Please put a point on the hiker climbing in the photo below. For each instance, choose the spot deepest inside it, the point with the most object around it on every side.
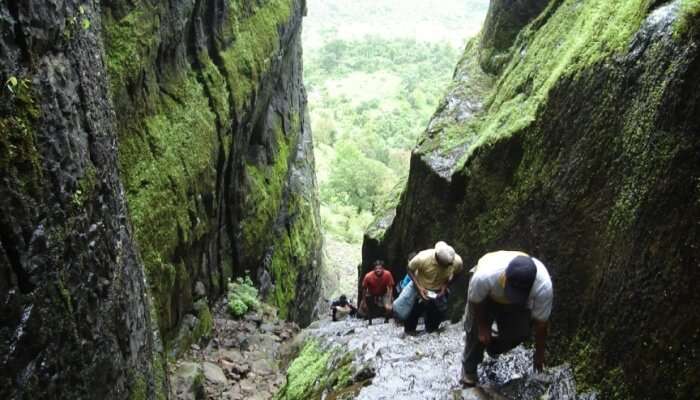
(377, 293)
(341, 308)
(514, 290)
(431, 272)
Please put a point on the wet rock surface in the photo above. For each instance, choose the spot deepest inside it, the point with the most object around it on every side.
(428, 366)
(242, 360)
(599, 181)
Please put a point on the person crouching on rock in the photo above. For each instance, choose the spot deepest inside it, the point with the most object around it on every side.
(432, 271)
(514, 290)
(342, 308)
(377, 289)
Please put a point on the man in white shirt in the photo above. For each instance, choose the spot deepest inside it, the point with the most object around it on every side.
(514, 290)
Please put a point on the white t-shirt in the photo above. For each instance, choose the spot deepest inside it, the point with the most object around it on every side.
(490, 277)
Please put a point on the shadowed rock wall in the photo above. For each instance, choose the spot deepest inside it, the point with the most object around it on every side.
(150, 151)
(584, 152)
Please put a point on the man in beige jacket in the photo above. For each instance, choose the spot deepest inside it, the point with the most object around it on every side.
(432, 271)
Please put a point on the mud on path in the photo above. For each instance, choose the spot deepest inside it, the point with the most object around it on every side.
(427, 366)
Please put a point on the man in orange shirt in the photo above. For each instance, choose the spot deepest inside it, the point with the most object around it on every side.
(377, 288)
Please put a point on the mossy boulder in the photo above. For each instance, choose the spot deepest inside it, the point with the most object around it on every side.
(320, 371)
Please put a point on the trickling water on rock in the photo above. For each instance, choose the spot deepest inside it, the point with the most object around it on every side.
(427, 366)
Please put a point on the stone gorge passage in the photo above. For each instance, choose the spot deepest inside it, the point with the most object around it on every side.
(151, 150)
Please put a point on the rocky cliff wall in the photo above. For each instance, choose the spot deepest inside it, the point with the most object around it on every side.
(215, 148)
(149, 151)
(583, 151)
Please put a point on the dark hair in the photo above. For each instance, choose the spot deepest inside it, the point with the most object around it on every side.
(343, 297)
(378, 262)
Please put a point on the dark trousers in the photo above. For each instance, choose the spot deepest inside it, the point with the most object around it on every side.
(431, 313)
(513, 324)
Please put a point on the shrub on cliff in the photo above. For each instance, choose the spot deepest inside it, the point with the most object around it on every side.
(242, 296)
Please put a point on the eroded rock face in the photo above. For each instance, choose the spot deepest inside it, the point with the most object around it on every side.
(586, 156)
(145, 145)
(74, 312)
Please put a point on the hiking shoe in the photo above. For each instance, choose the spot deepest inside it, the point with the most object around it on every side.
(469, 379)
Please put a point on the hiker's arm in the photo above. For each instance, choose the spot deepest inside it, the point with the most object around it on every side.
(541, 328)
(482, 323)
(458, 269)
(421, 289)
(443, 288)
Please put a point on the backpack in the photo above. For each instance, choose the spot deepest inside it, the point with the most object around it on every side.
(403, 305)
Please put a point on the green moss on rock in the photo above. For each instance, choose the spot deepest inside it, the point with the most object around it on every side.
(255, 42)
(205, 321)
(264, 195)
(139, 390)
(293, 251)
(129, 41)
(215, 87)
(318, 371)
(19, 157)
(306, 373)
(688, 17)
(174, 157)
(576, 35)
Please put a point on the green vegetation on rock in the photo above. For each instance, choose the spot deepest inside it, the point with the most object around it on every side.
(317, 371)
(129, 42)
(205, 321)
(255, 42)
(688, 17)
(242, 297)
(266, 185)
(170, 147)
(574, 36)
(160, 170)
(18, 153)
(293, 249)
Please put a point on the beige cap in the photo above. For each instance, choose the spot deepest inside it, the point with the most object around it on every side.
(444, 253)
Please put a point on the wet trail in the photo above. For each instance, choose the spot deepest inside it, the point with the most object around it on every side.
(427, 366)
